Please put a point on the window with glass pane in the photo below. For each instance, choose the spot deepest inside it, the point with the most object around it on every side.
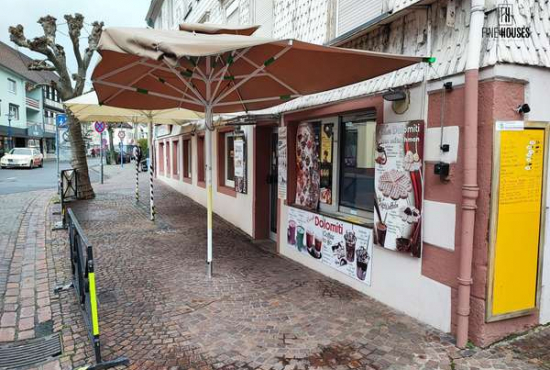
(187, 158)
(14, 112)
(357, 164)
(12, 86)
(229, 160)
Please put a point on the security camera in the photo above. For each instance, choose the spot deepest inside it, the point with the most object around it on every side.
(523, 108)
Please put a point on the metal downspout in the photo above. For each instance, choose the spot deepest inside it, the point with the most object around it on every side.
(470, 189)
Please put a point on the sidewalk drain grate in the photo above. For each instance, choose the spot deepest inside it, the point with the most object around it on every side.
(26, 353)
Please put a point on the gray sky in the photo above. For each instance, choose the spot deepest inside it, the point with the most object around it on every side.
(114, 13)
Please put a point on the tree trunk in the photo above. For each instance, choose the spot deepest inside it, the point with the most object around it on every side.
(112, 154)
(78, 161)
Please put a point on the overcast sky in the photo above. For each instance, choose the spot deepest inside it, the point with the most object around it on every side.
(121, 13)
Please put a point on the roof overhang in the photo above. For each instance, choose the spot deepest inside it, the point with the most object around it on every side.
(379, 21)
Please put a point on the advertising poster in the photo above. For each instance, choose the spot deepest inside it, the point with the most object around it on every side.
(239, 159)
(326, 163)
(398, 186)
(282, 165)
(307, 163)
(341, 245)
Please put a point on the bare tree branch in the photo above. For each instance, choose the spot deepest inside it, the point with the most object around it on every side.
(40, 65)
(93, 41)
(49, 26)
(42, 45)
(17, 35)
(75, 24)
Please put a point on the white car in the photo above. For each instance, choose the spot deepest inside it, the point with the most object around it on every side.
(22, 157)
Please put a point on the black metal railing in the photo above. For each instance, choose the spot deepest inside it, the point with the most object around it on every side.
(83, 271)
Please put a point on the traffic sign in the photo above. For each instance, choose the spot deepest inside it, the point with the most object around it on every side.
(61, 120)
(99, 127)
(121, 135)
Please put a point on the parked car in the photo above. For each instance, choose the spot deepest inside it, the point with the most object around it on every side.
(127, 157)
(22, 157)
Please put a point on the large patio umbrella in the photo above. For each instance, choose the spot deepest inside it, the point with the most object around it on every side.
(87, 109)
(204, 69)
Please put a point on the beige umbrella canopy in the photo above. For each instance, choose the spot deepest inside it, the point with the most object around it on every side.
(87, 109)
(217, 71)
(213, 29)
(159, 69)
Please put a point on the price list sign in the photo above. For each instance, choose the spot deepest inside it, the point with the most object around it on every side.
(516, 232)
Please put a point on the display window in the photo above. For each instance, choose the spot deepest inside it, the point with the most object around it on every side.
(335, 165)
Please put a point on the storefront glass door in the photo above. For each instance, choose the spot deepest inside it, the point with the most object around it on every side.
(273, 185)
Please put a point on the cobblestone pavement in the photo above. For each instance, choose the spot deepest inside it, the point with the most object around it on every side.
(28, 307)
(260, 311)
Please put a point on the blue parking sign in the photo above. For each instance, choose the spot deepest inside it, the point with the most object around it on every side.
(61, 120)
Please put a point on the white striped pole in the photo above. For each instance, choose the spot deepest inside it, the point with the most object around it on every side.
(151, 171)
(208, 141)
(209, 205)
(137, 180)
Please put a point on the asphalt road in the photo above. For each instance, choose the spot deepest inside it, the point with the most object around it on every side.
(22, 180)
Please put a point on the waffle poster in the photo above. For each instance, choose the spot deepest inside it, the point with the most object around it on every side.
(398, 186)
(341, 245)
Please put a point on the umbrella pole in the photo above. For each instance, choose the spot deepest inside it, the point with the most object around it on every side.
(208, 143)
(151, 171)
(137, 165)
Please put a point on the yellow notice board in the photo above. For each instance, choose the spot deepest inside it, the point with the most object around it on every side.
(516, 224)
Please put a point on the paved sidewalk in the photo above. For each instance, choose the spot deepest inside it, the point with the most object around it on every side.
(260, 311)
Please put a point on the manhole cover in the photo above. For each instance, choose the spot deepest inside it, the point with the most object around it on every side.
(27, 353)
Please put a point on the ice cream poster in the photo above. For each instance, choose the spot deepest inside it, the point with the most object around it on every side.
(282, 162)
(398, 186)
(341, 245)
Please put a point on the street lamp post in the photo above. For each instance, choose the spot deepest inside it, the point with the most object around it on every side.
(10, 116)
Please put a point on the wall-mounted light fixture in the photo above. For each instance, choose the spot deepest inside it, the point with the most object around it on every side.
(523, 108)
(395, 95)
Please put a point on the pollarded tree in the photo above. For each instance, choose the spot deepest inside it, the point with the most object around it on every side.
(68, 86)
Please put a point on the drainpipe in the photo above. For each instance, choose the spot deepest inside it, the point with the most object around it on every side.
(470, 189)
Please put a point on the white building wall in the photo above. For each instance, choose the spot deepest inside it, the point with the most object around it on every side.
(238, 209)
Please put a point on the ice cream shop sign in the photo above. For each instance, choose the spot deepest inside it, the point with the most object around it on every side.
(341, 245)
(398, 183)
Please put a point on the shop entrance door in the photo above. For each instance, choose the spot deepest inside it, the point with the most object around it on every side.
(273, 180)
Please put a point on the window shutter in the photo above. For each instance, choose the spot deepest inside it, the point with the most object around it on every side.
(353, 13)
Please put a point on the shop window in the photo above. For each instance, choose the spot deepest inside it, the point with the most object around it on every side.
(186, 160)
(226, 161)
(200, 159)
(14, 112)
(357, 164)
(229, 167)
(168, 168)
(161, 158)
(12, 86)
(175, 170)
(335, 164)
